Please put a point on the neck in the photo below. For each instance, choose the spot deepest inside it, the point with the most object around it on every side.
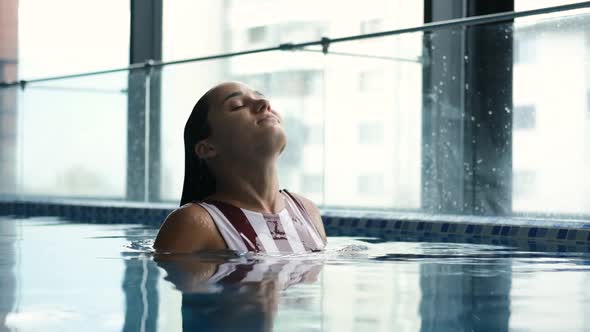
(251, 185)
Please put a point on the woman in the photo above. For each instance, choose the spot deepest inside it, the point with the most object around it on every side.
(231, 197)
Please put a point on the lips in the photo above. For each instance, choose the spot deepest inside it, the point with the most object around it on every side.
(266, 117)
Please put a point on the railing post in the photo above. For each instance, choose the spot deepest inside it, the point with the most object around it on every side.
(143, 104)
(467, 120)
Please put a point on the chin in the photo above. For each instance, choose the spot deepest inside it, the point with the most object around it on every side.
(274, 142)
(280, 140)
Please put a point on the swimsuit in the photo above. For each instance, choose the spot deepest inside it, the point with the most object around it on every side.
(290, 231)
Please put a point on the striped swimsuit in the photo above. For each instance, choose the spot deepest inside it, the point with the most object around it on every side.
(289, 231)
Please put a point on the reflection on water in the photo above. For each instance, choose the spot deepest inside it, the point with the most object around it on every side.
(8, 237)
(141, 292)
(454, 299)
(76, 277)
(236, 294)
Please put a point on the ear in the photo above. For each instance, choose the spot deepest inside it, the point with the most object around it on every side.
(205, 150)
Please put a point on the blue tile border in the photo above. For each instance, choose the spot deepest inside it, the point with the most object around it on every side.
(579, 235)
(337, 224)
(87, 213)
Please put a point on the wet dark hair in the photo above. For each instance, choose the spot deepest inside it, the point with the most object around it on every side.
(199, 181)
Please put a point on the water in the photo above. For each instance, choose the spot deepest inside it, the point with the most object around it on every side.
(63, 276)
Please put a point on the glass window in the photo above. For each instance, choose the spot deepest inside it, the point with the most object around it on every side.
(256, 34)
(68, 36)
(198, 28)
(312, 183)
(314, 134)
(370, 184)
(524, 117)
(371, 81)
(520, 5)
(523, 184)
(525, 50)
(74, 137)
(370, 133)
(556, 150)
(371, 26)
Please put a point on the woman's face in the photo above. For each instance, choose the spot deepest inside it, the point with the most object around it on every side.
(243, 122)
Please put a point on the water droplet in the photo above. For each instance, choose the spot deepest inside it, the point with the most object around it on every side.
(466, 86)
(472, 118)
(479, 161)
(494, 169)
(507, 109)
(490, 112)
(466, 58)
(444, 57)
(441, 83)
(453, 77)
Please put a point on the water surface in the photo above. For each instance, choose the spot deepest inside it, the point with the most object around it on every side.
(62, 276)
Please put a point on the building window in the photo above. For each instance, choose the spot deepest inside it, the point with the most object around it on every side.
(525, 50)
(291, 83)
(525, 117)
(370, 184)
(312, 183)
(257, 34)
(301, 31)
(313, 82)
(370, 133)
(261, 82)
(314, 134)
(523, 184)
(371, 26)
(371, 81)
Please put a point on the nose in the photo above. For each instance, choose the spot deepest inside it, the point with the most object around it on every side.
(262, 105)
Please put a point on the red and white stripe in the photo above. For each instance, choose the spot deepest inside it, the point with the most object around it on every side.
(290, 231)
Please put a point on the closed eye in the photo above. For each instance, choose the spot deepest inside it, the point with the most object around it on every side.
(237, 107)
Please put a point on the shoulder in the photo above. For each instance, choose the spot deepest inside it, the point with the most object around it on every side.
(314, 212)
(189, 228)
(307, 203)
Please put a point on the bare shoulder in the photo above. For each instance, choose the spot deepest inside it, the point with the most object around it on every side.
(314, 212)
(187, 229)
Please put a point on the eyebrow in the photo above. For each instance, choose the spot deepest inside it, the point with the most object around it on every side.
(238, 93)
(231, 95)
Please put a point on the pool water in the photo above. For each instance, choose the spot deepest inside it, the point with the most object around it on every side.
(57, 275)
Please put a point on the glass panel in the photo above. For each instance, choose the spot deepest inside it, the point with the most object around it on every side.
(373, 122)
(9, 137)
(8, 97)
(74, 140)
(228, 26)
(490, 152)
(68, 36)
(552, 115)
(520, 5)
(415, 121)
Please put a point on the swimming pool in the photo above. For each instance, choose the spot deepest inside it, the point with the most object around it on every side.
(58, 275)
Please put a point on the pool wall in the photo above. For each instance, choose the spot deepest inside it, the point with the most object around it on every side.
(339, 222)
